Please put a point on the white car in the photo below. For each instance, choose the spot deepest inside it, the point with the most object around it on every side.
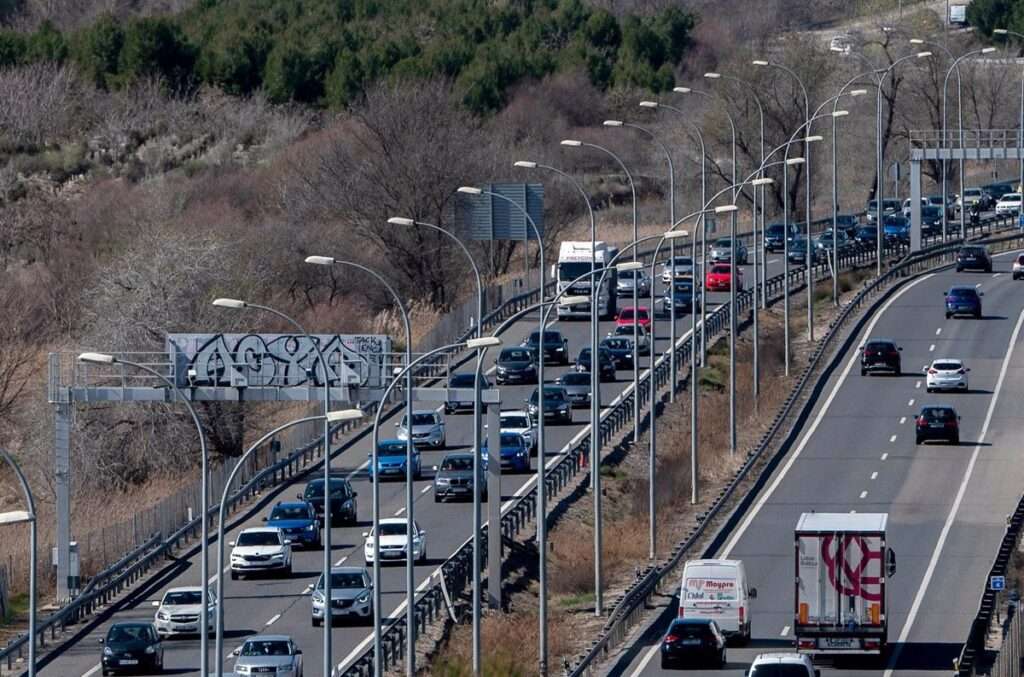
(260, 549)
(179, 611)
(1018, 267)
(682, 265)
(908, 202)
(427, 429)
(394, 541)
(946, 373)
(518, 421)
(1009, 204)
(626, 331)
(789, 664)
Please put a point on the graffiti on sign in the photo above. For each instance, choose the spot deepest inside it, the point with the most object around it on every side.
(282, 360)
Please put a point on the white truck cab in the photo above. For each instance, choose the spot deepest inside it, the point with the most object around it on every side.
(717, 589)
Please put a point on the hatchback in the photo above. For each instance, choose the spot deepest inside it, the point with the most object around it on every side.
(938, 423)
(963, 301)
(606, 364)
(719, 278)
(577, 387)
(133, 647)
(776, 234)
(556, 404)
(880, 355)
(630, 315)
(690, 642)
(463, 382)
(392, 456)
(344, 508)
(516, 365)
(621, 349)
(514, 454)
(946, 374)
(681, 299)
(721, 251)
(973, 258)
(298, 521)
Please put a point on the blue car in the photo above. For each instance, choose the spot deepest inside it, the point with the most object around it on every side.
(963, 301)
(897, 230)
(391, 457)
(515, 455)
(298, 521)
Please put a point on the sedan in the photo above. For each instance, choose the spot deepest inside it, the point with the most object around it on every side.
(621, 349)
(518, 421)
(268, 655)
(463, 382)
(880, 355)
(721, 251)
(692, 641)
(931, 221)
(344, 508)
(605, 363)
(681, 299)
(776, 235)
(644, 341)
(260, 550)
(938, 423)
(974, 257)
(630, 315)
(798, 251)
(427, 429)
(888, 207)
(964, 301)
(824, 242)
(680, 266)
(577, 387)
(392, 456)
(298, 521)
(633, 279)
(514, 456)
(867, 236)
(516, 365)
(350, 595)
(556, 404)
(394, 541)
(946, 374)
(719, 278)
(896, 230)
(848, 223)
(453, 479)
(132, 646)
(1009, 204)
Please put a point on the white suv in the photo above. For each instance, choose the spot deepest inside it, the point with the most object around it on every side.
(783, 665)
(179, 611)
(261, 549)
(394, 541)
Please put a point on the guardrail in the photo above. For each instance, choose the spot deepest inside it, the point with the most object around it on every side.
(635, 600)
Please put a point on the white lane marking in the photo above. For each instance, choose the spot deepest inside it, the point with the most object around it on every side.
(864, 494)
(341, 561)
(911, 402)
(917, 386)
(272, 620)
(874, 475)
(938, 331)
(955, 508)
(310, 586)
(785, 631)
(92, 671)
(853, 512)
(931, 349)
(997, 275)
(771, 261)
(399, 512)
(892, 439)
(427, 488)
(903, 419)
(885, 456)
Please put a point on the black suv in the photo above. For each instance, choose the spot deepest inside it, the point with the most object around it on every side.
(556, 404)
(516, 365)
(605, 362)
(343, 500)
(973, 258)
(938, 423)
(464, 382)
(880, 355)
(556, 347)
(775, 236)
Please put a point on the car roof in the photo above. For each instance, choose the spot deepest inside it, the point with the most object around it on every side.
(129, 624)
(692, 621)
(186, 588)
(262, 530)
(457, 455)
(512, 412)
(788, 657)
(876, 339)
(292, 504)
(417, 412)
(268, 638)
(942, 407)
(349, 570)
(394, 520)
(948, 359)
(963, 287)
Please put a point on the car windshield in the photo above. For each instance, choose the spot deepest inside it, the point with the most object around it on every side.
(393, 529)
(264, 647)
(315, 489)
(461, 381)
(391, 449)
(348, 579)
(879, 346)
(510, 440)
(930, 212)
(946, 366)
(962, 293)
(683, 288)
(721, 270)
(289, 512)
(576, 378)
(935, 199)
(550, 393)
(420, 419)
(776, 229)
(626, 314)
(679, 261)
(1011, 197)
(457, 463)
(846, 219)
(515, 421)
(584, 354)
(256, 538)
(779, 670)
(616, 343)
(130, 633)
(690, 630)
(515, 355)
(723, 243)
(632, 274)
(549, 337)
(183, 598)
(866, 232)
(938, 414)
(973, 192)
(972, 251)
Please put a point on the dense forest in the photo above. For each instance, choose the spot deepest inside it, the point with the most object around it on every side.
(327, 52)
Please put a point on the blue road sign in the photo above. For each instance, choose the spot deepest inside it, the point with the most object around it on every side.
(997, 583)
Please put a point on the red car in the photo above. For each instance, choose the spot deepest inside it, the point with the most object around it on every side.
(625, 318)
(719, 277)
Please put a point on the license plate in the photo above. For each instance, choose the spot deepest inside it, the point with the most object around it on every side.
(935, 425)
(460, 490)
(840, 643)
(391, 554)
(690, 642)
(129, 661)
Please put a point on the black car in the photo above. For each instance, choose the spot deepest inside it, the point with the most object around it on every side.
(344, 509)
(998, 190)
(516, 365)
(621, 349)
(577, 387)
(776, 234)
(973, 257)
(798, 251)
(464, 382)
(938, 423)
(133, 647)
(690, 642)
(866, 236)
(606, 363)
(679, 299)
(931, 221)
(556, 404)
(880, 355)
(556, 346)
(848, 223)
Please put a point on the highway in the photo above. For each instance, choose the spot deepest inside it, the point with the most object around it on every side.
(946, 504)
(282, 605)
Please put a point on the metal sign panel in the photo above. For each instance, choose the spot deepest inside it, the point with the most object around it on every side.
(283, 360)
(997, 583)
(492, 218)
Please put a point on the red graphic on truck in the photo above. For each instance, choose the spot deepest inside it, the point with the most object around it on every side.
(847, 567)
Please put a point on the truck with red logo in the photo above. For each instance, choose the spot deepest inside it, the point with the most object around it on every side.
(842, 563)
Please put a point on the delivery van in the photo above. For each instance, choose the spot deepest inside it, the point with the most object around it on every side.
(716, 589)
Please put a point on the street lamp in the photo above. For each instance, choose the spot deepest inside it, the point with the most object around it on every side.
(410, 447)
(331, 417)
(103, 358)
(20, 517)
(1020, 132)
(835, 183)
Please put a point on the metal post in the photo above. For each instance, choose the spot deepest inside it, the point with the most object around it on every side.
(494, 577)
(62, 482)
(30, 503)
(835, 215)
(694, 377)
(785, 265)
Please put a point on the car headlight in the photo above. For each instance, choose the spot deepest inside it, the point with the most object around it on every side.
(277, 555)
(107, 651)
(501, 370)
(151, 649)
(521, 453)
(364, 598)
(442, 481)
(163, 616)
(563, 408)
(318, 597)
(242, 669)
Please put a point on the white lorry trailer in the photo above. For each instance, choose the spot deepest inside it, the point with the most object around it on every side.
(842, 563)
(575, 259)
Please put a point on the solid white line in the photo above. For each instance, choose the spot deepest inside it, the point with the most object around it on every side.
(272, 621)
(938, 331)
(911, 402)
(892, 439)
(340, 562)
(955, 508)
(785, 631)
(931, 348)
(885, 456)
(756, 508)
(903, 419)
(399, 512)
(864, 494)
(431, 486)
(874, 475)
(92, 671)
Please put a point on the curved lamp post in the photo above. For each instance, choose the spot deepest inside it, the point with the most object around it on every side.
(1020, 128)
(103, 358)
(18, 517)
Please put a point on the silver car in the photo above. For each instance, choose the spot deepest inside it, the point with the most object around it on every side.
(351, 596)
(678, 267)
(643, 338)
(427, 429)
(453, 479)
(577, 387)
(634, 278)
(721, 251)
(268, 655)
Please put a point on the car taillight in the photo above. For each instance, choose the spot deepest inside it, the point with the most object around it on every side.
(893, 353)
(682, 612)
(669, 639)
(872, 644)
(932, 371)
(741, 615)
(805, 644)
(950, 424)
(921, 423)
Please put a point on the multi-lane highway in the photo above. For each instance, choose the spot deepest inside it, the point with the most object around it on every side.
(946, 504)
(282, 605)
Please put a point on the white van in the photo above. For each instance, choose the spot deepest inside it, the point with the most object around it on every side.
(717, 589)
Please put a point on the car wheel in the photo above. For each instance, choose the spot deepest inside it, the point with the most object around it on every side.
(948, 315)
(107, 672)
(956, 439)
(929, 390)
(898, 371)
(317, 622)
(977, 315)
(863, 371)
(423, 556)
(918, 440)
(288, 569)
(665, 664)
(437, 499)
(234, 575)
(721, 659)
(959, 269)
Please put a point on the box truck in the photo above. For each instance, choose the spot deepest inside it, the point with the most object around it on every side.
(575, 260)
(842, 563)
